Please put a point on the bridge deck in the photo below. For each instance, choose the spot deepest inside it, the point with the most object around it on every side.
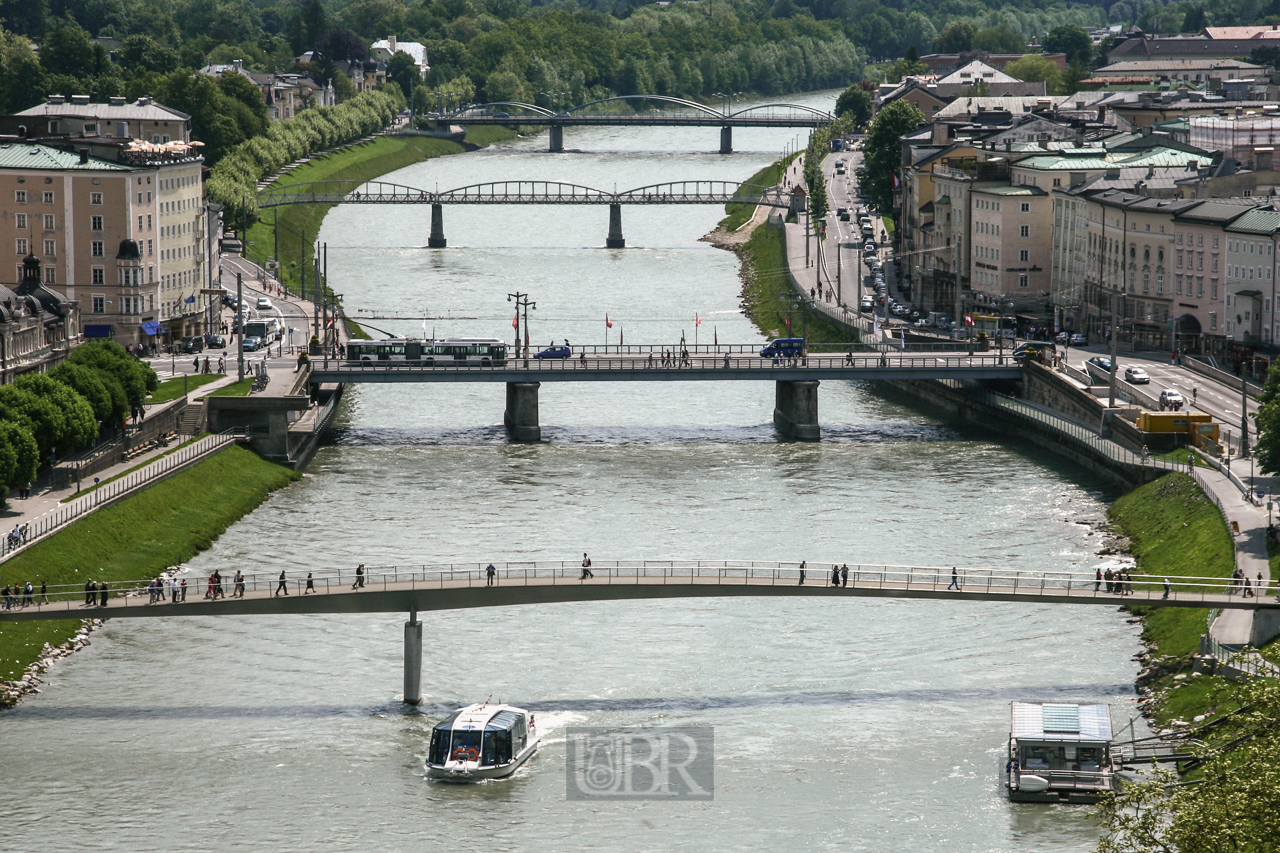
(404, 589)
(639, 368)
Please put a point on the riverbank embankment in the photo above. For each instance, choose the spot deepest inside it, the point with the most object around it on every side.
(139, 537)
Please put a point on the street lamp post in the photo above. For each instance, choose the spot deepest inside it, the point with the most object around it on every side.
(522, 302)
(1116, 300)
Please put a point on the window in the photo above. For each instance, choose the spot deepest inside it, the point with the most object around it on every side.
(1024, 255)
(95, 249)
(99, 304)
(1025, 207)
(1146, 281)
(1057, 182)
(1199, 239)
(22, 246)
(48, 198)
(139, 223)
(151, 247)
(148, 221)
(49, 222)
(1022, 280)
(1024, 230)
(1159, 282)
(20, 221)
(95, 223)
(1213, 320)
(50, 276)
(1215, 242)
(1179, 259)
(98, 277)
(95, 198)
(49, 246)
(20, 196)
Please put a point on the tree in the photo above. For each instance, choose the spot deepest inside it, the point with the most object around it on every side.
(1034, 68)
(340, 45)
(67, 50)
(854, 102)
(134, 376)
(403, 71)
(1195, 20)
(1267, 449)
(956, 37)
(80, 426)
(88, 383)
(1233, 805)
(1071, 40)
(22, 78)
(882, 152)
(240, 88)
(19, 455)
(999, 39)
(139, 51)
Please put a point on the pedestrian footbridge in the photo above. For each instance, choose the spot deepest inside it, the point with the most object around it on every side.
(415, 589)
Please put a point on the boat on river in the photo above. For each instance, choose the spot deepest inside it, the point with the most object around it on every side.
(1059, 753)
(483, 741)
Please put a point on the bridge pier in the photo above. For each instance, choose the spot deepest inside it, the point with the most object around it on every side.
(436, 240)
(615, 240)
(557, 138)
(726, 140)
(795, 412)
(413, 660)
(521, 416)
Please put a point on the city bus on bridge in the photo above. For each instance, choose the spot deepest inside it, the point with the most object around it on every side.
(483, 352)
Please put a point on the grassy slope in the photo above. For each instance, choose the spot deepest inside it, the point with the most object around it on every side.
(172, 389)
(235, 389)
(766, 177)
(1176, 531)
(764, 274)
(137, 538)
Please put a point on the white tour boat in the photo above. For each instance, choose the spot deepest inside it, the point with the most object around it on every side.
(481, 741)
(1059, 753)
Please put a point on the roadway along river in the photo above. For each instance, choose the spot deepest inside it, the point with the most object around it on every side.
(850, 725)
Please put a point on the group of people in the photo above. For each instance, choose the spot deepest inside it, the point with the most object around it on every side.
(669, 359)
(95, 594)
(1118, 582)
(18, 535)
(1248, 589)
(23, 595)
(207, 367)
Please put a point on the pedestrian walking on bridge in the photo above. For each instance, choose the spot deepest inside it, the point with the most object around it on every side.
(1167, 588)
(283, 586)
(1097, 579)
(835, 576)
(586, 568)
(955, 580)
(490, 575)
(359, 584)
(102, 591)
(311, 585)
(844, 575)
(802, 565)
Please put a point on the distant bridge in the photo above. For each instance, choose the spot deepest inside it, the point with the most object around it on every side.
(454, 587)
(796, 393)
(524, 192)
(674, 112)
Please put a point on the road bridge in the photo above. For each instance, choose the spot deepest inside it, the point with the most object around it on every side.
(424, 588)
(668, 112)
(524, 192)
(796, 379)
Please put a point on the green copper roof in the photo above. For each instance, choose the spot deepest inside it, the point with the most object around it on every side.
(1263, 221)
(34, 156)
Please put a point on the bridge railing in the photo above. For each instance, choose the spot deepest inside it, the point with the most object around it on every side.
(675, 359)
(1024, 584)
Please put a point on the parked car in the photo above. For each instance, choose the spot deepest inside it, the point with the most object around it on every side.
(251, 343)
(216, 342)
(1136, 375)
(867, 303)
(1101, 362)
(555, 351)
(1063, 338)
(1171, 399)
(1079, 340)
(195, 344)
(264, 304)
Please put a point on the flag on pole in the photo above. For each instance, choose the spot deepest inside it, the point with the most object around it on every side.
(968, 319)
(608, 324)
(515, 321)
(619, 339)
(697, 321)
(904, 339)
(875, 330)
(716, 333)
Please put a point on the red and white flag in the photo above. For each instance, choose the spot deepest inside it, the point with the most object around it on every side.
(608, 324)
(697, 321)
(329, 325)
(968, 319)
(515, 322)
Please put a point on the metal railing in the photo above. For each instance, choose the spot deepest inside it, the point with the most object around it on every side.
(676, 361)
(1247, 661)
(967, 582)
(109, 492)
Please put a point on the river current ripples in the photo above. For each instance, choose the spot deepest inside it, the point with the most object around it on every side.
(840, 724)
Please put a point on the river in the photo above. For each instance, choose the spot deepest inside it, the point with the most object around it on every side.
(851, 724)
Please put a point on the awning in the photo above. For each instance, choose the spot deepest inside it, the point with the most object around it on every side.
(151, 327)
(100, 331)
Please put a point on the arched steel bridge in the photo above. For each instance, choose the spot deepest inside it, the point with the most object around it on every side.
(674, 112)
(524, 192)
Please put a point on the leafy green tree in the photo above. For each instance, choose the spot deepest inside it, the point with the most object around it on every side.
(26, 17)
(402, 71)
(854, 102)
(140, 51)
(956, 37)
(246, 92)
(1266, 450)
(45, 420)
(134, 376)
(1269, 56)
(882, 152)
(343, 89)
(19, 454)
(999, 39)
(80, 426)
(87, 382)
(306, 22)
(1195, 20)
(67, 50)
(1034, 68)
(1071, 40)
(22, 78)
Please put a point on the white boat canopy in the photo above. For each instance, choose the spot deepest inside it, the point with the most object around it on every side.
(1062, 722)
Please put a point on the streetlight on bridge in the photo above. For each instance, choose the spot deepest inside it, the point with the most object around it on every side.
(522, 301)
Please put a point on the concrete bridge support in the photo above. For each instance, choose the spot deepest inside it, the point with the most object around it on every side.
(726, 140)
(521, 416)
(615, 240)
(795, 411)
(436, 240)
(413, 660)
(557, 138)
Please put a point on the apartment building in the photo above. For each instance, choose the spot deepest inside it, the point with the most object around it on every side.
(1250, 266)
(116, 119)
(124, 239)
(1012, 242)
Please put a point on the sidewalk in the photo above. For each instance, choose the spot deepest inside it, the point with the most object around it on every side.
(1234, 628)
